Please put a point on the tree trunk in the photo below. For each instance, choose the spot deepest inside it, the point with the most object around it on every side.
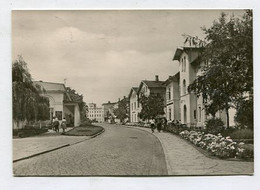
(227, 114)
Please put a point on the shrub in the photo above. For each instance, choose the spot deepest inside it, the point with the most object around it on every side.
(228, 131)
(245, 113)
(214, 126)
(245, 151)
(27, 132)
(217, 145)
(242, 134)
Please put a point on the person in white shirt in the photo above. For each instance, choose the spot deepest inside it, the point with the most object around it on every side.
(63, 124)
(152, 125)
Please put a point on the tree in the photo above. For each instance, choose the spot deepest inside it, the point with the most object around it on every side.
(227, 54)
(152, 106)
(122, 111)
(28, 104)
(79, 99)
(245, 115)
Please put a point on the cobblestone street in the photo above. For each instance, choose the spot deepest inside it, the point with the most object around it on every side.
(125, 150)
(118, 151)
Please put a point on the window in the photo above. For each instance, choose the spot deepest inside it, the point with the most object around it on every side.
(184, 87)
(169, 93)
(199, 114)
(184, 64)
(170, 114)
(195, 114)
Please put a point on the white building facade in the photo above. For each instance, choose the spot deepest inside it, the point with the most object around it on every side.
(134, 105)
(95, 113)
(172, 97)
(61, 105)
(192, 112)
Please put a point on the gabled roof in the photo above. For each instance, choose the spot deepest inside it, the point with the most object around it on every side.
(180, 50)
(131, 91)
(174, 78)
(51, 86)
(151, 84)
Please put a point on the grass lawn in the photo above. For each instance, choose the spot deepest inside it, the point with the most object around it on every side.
(85, 130)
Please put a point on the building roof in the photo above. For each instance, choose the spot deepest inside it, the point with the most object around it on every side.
(131, 91)
(135, 89)
(51, 86)
(109, 103)
(153, 84)
(54, 87)
(174, 78)
(180, 50)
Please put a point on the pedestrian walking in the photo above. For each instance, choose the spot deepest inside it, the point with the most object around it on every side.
(164, 124)
(53, 126)
(152, 124)
(64, 125)
(159, 125)
(56, 125)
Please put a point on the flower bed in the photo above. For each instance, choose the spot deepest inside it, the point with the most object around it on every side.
(84, 130)
(217, 145)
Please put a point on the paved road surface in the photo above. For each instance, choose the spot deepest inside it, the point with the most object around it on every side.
(182, 158)
(118, 151)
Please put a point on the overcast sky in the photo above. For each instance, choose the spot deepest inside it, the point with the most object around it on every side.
(102, 54)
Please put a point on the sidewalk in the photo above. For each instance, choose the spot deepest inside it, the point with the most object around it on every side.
(27, 147)
(184, 159)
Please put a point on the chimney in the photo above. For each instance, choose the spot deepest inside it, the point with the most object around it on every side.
(156, 78)
(119, 99)
(124, 97)
(109, 102)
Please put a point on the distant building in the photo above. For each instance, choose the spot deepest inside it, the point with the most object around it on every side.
(61, 104)
(108, 109)
(134, 105)
(95, 113)
(125, 109)
(172, 96)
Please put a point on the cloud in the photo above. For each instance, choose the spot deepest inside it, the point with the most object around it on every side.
(103, 53)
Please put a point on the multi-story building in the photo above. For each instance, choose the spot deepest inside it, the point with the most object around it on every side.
(146, 88)
(95, 113)
(192, 112)
(172, 105)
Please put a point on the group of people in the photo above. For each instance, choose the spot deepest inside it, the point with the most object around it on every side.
(159, 124)
(56, 124)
